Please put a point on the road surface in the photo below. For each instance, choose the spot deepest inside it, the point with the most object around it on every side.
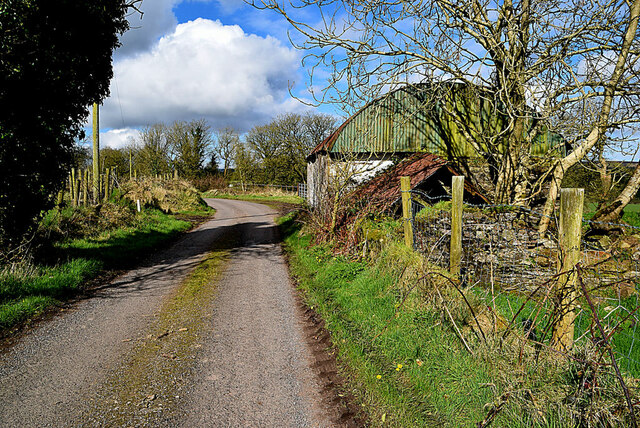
(145, 351)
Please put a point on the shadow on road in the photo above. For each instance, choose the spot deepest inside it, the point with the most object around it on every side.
(255, 239)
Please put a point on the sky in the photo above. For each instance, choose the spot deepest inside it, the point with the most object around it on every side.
(221, 60)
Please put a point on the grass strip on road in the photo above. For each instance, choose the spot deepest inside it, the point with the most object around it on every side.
(146, 388)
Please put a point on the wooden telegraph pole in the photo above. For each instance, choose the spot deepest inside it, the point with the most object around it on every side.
(96, 154)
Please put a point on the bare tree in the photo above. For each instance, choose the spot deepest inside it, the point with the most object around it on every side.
(227, 140)
(613, 211)
(537, 68)
(264, 141)
(282, 145)
(317, 127)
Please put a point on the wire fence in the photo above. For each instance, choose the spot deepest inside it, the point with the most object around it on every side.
(514, 273)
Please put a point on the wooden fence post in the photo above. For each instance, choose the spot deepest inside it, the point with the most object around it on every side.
(72, 188)
(76, 192)
(455, 252)
(107, 178)
(569, 236)
(405, 192)
(61, 197)
(85, 194)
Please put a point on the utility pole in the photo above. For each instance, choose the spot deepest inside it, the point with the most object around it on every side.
(96, 154)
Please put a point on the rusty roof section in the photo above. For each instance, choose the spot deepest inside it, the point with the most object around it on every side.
(385, 188)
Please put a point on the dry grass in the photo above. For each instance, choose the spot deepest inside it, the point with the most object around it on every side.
(168, 195)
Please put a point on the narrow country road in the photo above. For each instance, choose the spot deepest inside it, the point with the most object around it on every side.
(144, 351)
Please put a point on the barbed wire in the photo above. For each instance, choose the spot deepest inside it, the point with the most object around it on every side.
(520, 208)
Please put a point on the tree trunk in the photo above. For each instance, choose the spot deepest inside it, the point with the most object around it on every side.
(558, 174)
(600, 127)
(613, 211)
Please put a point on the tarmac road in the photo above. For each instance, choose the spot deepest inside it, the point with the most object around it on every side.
(124, 358)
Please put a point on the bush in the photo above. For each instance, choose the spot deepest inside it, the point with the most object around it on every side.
(57, 54)
(209, 182)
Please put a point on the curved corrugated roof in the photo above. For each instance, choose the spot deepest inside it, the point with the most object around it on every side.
(417, 118)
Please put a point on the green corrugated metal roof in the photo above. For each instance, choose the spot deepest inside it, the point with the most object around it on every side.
(418, 119)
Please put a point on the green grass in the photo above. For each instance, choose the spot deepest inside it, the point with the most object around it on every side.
(66, 265)
(20, 310)
(631, 213)
(123, 247)
(404, 362)
(358, 303)
(289, 199)
(626, 348)
(431, 212)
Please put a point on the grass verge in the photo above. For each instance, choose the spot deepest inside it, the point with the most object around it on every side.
(398, 342)
(65, 264)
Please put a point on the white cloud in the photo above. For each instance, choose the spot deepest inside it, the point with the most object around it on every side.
(117, 138)
(229, 6)
(203, 69)
(157, 19)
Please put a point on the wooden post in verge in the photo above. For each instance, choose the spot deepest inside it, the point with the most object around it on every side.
(96, 154)
(405, 192)
(76, 190)
(60, 197)
(455, 252)
(85, 191)
(569, 237)
(73, 186)
(107, 183)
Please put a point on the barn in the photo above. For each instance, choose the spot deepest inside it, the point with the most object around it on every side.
(439, 119)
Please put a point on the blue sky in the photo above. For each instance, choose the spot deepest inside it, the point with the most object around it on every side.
(221, 60)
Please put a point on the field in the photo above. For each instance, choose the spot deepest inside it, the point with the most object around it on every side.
(264, 196)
